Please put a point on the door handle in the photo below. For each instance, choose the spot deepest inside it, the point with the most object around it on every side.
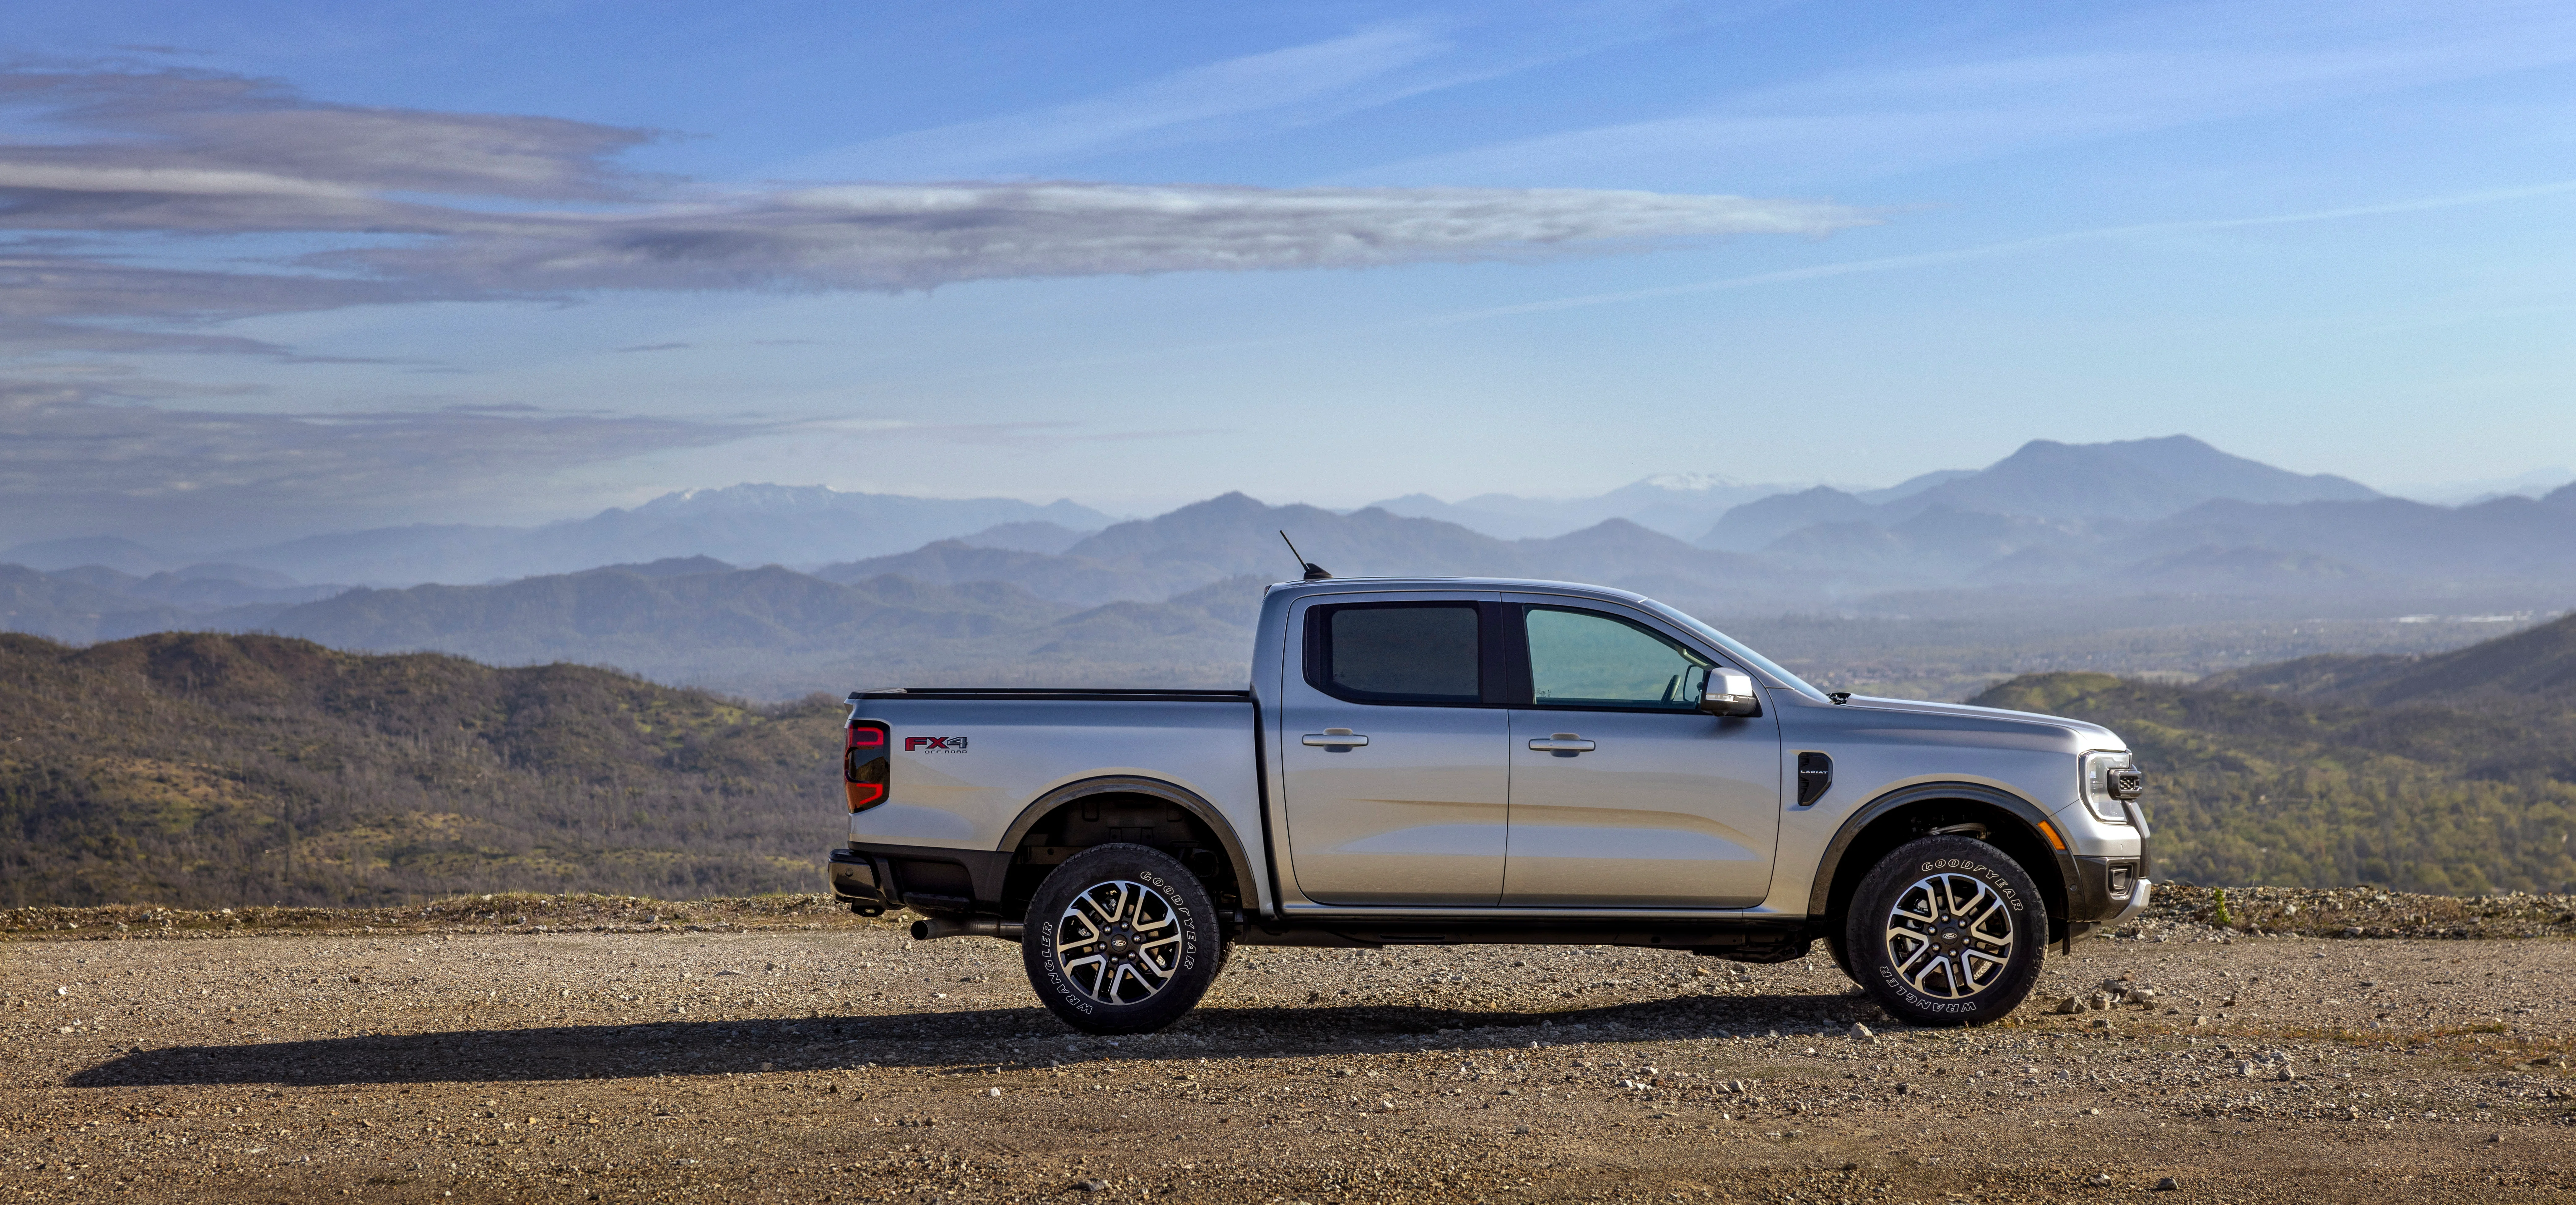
(1334, 738)
(1563, 742)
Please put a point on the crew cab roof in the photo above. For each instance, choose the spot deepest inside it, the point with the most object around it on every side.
(1532, 585)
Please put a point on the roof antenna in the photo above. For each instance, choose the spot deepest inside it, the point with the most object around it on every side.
(1314, 572)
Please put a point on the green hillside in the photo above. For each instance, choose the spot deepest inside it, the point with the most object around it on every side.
(2531, 670)
(2253, 788)
(210, 770)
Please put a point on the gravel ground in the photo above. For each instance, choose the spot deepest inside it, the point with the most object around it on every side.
(764, 1060)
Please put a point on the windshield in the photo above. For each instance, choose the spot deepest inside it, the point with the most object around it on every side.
(1738, 651)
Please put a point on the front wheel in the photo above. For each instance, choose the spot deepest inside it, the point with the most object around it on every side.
(1121, 939)
(1947, 931)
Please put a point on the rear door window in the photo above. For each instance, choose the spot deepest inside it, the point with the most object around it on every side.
(1423, 653)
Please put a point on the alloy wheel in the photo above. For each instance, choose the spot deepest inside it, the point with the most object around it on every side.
(1950, 936)
(1118, 942)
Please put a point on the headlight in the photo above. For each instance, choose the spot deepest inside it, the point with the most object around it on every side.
(2110, 778)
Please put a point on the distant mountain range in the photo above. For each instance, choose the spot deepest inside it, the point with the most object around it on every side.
(1676, 504)
(1236, 535)
(744, 524)
(894, 587)
(2066, 487)
(1681, 505)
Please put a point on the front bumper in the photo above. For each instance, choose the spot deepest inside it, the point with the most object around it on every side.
(2137, 901)
(2106, 890)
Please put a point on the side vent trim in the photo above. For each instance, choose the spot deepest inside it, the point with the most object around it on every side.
(1815, 777)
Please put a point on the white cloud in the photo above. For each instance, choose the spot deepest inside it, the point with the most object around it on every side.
(896, 237)
(192, 155)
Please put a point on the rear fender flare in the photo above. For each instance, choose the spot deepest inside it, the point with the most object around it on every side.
(1820, 897)
(1153, 788)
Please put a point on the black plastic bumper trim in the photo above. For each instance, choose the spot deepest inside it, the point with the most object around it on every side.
(2092, 898)
(897, 874)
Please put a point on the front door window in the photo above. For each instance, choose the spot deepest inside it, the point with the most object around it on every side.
(1587, 659)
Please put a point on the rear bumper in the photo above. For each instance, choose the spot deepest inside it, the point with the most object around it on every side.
(931, 880)
(860, 883)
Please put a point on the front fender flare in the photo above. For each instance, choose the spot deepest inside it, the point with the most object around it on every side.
(1829, 867)
(1153, 788)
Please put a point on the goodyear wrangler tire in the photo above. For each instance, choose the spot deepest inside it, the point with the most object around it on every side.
(1840, 948)
(1121, 939)
(1947, 931)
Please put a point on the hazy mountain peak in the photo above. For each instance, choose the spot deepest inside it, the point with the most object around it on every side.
(1229, 502)
(2137, 479)
(1620, 533)
(1756, 523)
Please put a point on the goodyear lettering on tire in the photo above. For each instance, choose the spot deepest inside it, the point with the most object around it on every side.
(1180, 915)
(2002, 886)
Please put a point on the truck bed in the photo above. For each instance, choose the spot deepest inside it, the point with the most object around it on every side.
(972, 768)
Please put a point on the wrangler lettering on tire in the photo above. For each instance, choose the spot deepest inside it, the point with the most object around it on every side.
(1946, 931)
(1121, 939)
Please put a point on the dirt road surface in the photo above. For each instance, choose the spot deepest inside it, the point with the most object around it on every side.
(850, 1064)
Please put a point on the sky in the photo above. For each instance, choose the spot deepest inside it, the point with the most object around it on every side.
(275, 267)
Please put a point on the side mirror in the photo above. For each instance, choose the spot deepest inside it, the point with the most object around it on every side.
(1730, 693)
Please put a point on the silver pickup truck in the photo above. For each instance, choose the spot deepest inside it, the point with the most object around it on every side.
(1431, 761)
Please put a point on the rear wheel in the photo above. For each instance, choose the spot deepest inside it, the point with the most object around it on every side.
(1947, 931)
(1121, 939)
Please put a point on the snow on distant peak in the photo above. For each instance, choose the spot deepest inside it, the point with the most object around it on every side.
(1695, 483)
(747, 496)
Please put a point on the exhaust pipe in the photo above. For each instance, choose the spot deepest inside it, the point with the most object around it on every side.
(938, 927)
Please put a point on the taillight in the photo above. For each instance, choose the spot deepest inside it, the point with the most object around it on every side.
(863, 765)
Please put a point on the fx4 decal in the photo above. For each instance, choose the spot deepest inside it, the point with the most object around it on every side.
(934, 744)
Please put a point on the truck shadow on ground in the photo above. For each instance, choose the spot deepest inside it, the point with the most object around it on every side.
(976, 1037)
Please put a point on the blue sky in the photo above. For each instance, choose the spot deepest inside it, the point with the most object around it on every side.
(285, 267)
